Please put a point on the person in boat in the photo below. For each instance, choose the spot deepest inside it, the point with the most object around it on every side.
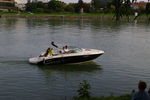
(49, 51)
(46, 53)
(141, 94)
(66, 50)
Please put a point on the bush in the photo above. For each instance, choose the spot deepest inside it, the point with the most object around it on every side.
(56, 6)
(38, 10)
(83, 91)
(70, 8)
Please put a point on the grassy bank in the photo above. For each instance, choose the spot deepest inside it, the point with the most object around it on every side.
(123, 97)
(87, 16)
(56, 14)
(63, 14)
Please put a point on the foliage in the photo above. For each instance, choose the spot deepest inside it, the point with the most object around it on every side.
(96, 4)
(148, 9)
(39, 10)
(122, 8)
(83, 90)
(110, 8)
(56, 6)
(87, 7)
(127, 5)
(78, 6)
(70, 7)
(117, 4)
(34, 6)
(123, 97)
(30, 7)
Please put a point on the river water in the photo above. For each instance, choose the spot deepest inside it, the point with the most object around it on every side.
(125, 62)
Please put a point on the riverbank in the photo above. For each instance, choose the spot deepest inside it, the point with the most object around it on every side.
(123, 97)
(85, 16)
(57, 15)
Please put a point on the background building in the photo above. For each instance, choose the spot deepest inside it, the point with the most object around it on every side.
(7, 5)
(138, 5)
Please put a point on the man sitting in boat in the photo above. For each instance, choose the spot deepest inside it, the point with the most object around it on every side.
(64, 50)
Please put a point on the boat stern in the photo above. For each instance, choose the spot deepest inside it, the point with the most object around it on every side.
(35, 60)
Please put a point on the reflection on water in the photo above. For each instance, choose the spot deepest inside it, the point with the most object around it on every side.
(82, 67)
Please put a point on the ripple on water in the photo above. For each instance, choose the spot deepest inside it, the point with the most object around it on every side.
(125, 62)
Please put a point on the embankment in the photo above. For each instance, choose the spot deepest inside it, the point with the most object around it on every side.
(140, 18)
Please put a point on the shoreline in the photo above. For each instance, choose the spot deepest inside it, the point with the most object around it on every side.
(56, 16)
(122, 97)
(76, 17)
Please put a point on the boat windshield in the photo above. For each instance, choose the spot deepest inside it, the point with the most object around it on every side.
(75, 50)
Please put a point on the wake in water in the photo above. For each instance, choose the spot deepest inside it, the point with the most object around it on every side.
(4, 60)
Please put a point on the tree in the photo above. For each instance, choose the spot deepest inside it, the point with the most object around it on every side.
(35, 7)
(79, 6)
(56, 6)
(148, 10)
(83, 90)
(122, 7)
(96, 4)
(110, 8)
(117, 4)
(87, 7)
(127, 4)
(40, 5)
(31, 6)
(28, 7)
(70, 7)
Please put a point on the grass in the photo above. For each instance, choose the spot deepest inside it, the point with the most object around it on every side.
(123, 97)
(7, 13)
(63, 14)
(71, 15)
(55, 14)
(66, 14)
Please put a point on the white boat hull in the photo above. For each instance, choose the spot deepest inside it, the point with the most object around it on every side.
(86, 55)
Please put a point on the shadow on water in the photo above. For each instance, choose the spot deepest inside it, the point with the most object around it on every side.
(83, 67)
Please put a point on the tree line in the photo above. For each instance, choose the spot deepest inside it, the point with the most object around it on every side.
(57, 6)
(118, 7)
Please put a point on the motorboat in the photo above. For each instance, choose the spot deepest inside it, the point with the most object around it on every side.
(73, 55)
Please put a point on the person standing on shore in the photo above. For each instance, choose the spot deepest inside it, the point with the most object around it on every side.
(141, 94)
(149, 91)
